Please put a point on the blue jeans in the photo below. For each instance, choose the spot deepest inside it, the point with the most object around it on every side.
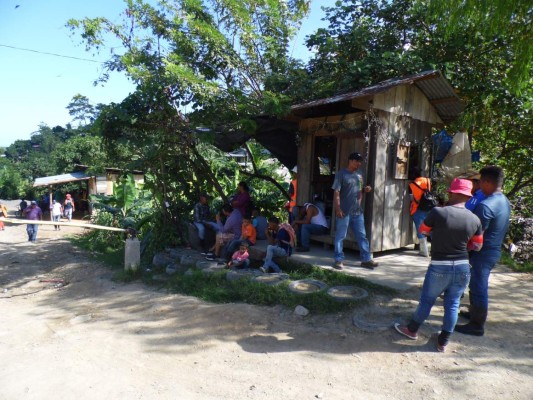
(482, 264)
(273, 251)
(418, 218)
(68, 214)
(32, 232)
(305, 232)
(201, 230)
(450, 277)
(357, 225)
(57, 218)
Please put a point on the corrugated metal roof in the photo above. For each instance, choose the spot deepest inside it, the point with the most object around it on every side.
(434, 86)
(64, 178)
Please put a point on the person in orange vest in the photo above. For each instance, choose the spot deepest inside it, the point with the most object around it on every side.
(418, 187)
(293, 188)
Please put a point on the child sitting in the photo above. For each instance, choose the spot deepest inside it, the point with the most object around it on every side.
(239, 259)
(248, 236)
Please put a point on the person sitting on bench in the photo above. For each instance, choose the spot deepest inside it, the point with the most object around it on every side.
(311, 221)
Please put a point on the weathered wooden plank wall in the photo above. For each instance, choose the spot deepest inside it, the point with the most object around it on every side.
(402, 113)
(409, 101)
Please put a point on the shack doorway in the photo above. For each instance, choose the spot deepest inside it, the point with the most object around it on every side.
(324, 168)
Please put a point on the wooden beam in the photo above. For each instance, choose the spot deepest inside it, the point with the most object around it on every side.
(76, 224)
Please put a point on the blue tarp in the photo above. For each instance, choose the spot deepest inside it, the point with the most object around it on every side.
(442, 142)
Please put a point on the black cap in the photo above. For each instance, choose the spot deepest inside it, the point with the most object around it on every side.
(356, 157)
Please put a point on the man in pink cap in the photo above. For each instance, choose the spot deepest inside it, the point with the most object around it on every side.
(454, 231)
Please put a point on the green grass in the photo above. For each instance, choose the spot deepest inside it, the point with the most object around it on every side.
(216, 288)
(516, 266)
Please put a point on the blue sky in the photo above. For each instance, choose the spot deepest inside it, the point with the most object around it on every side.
(35, 88)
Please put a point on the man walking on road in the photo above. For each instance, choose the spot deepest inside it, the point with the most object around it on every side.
(454, 231)
(33, 213)
(494, 213)
(348, 194)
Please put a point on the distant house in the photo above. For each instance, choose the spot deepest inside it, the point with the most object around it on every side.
(87, 184)
(105, 183)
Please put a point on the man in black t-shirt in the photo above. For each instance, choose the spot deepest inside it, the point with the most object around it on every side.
(454, 231)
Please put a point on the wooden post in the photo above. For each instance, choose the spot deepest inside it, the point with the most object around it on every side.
(50, 202)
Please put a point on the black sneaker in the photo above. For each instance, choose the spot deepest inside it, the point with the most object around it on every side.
(369, 264)
(205, 253)
(211, 258)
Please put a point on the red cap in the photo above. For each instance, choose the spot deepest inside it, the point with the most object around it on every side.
(461, 186)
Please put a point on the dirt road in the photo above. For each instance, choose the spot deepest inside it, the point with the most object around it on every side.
(97, 339)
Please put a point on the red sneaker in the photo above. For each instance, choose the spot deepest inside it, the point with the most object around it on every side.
(403, 330)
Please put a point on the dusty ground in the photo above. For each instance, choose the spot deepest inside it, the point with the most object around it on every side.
(96, 339)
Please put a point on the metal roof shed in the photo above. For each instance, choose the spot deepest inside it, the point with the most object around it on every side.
(64, 178)
(50, 181)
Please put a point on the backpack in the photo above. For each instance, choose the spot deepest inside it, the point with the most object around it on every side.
(427, 201)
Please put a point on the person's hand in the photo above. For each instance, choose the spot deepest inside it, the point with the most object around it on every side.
(339, 213)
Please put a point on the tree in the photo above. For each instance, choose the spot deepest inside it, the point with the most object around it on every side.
(491, 19)
(81, 110)
(12, 184)
(368, 41)
(212, 56)
(195, 62)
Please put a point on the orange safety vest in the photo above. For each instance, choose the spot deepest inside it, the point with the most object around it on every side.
(425, 184)
(292, 202)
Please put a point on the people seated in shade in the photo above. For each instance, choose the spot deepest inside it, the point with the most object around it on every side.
(311, 221)
(248, 236)
(228, 231)
(202, 218)
(281, 238)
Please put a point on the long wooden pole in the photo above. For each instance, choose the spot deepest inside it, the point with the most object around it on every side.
(77, 224)
(50, 202)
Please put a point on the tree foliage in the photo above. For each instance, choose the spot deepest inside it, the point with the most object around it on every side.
(368, 41)
(54, 151)
(213, 56)
(214, 64)
(491, 19)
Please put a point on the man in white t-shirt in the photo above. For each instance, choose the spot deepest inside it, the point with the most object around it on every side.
(57, 211)
(311, 221)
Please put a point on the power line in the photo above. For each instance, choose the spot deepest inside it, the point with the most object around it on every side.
(51, 54)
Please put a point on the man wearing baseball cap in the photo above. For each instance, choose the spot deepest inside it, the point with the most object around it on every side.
(348, 195)
(454, 231)
(494, 213)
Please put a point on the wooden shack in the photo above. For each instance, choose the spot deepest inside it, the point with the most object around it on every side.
(390, 124)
